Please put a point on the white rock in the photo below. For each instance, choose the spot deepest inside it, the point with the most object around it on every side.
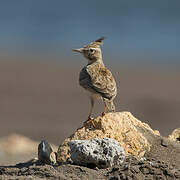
(101, 153)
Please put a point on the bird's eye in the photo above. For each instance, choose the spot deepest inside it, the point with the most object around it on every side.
(91, 50)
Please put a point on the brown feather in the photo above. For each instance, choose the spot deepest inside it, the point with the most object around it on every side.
(100, 40)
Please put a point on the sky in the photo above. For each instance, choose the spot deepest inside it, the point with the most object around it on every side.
(148, 30)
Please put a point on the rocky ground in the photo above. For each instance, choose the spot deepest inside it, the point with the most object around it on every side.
(132, 169)
(160, 158)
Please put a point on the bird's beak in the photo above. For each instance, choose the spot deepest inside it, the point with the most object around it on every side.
(80, 50)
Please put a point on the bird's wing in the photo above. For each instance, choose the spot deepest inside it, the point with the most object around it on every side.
(100, 80)
(85, 79)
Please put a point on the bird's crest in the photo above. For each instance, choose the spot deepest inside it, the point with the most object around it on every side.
(100, 40)
(96, 43)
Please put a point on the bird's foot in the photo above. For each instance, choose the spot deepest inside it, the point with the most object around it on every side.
(103, 114)
(90, 118)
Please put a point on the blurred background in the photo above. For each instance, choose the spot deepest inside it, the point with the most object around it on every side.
(39, 92)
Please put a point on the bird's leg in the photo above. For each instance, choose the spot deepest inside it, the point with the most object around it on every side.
(105, 108)
(90, 119)
(91, 109)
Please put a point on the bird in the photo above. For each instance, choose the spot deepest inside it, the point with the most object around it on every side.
(96, 78)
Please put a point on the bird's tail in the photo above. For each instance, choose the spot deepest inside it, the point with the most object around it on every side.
(110, 105)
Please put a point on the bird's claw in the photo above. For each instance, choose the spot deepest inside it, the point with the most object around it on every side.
(103, 114)
(90, 118)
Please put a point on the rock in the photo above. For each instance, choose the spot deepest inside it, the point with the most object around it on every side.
(46, 154)
(175, 135)
(101, 153)
(132, 134)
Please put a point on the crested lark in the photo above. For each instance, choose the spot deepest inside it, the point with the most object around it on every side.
(96, 78)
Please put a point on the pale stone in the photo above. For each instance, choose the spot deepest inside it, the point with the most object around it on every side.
(132, 134)
(175, 135)
(101, 153)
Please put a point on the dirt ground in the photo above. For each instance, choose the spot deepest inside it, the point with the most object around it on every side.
(162, 162)
(132, 169)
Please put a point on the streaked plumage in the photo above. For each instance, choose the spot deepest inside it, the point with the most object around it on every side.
(96, 78)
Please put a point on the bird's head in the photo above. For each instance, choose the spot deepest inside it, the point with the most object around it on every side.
(92, 51)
